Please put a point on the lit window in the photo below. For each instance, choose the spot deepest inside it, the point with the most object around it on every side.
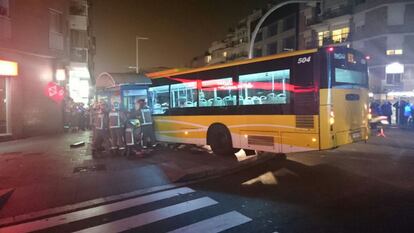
(322, 36)
(208, 59)
(264, 88)
(225, 54)
(394, 52)
(218, 92)
(159, 99)
(390, 52)
(183, 95)
(340, 35)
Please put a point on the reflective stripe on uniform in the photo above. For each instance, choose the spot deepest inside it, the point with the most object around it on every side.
(114, 120)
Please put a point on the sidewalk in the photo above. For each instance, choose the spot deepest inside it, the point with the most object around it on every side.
(45, 172)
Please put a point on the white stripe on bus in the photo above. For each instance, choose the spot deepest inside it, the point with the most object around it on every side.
(182, 130)
(215, 224)
(151, 216)
(262, 125)
(93, 212)
(182, 122)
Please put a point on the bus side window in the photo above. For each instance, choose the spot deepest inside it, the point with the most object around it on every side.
(160, 99)
(217, 93)
(184, 95)
(265, 88)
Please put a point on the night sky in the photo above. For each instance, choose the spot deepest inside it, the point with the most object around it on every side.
(178, 30)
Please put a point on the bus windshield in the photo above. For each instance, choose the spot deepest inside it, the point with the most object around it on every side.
(349, 68)
(352, 77)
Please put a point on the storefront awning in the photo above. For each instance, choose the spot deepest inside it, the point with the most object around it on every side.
(109, 80)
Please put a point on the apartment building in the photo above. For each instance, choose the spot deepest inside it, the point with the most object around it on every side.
(33, 48)
(382, 29)
(277, 34)
(82, 50)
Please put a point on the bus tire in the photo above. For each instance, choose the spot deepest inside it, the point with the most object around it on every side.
(219, 139)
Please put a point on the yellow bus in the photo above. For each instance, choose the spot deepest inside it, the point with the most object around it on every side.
(297, 101)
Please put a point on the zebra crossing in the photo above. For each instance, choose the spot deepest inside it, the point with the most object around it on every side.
(144, 211)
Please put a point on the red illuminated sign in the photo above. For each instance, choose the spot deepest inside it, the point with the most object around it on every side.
(55, 92)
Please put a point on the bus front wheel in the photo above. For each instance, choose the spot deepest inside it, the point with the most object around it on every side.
(219, 139)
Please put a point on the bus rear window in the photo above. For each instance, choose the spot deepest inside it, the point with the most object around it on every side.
(350, 77)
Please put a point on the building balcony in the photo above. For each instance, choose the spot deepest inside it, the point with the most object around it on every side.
(56, 40)
(342, 10)
(78, 55)
(329, 14)
(79, 7)
(5, 28)
(78, 22)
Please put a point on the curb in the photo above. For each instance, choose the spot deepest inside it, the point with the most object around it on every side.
(214, 173)
(182, 181)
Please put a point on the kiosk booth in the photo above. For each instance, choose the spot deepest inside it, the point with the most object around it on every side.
(122, 88)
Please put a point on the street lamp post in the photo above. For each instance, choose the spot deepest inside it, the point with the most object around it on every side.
(264, 17)
(137, 38)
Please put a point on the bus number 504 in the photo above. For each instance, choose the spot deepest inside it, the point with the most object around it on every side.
(304, 60)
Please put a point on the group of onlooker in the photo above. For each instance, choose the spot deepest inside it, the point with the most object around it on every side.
(404, 112)
(76, 116)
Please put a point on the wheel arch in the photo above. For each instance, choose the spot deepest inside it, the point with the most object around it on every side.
(217, 126)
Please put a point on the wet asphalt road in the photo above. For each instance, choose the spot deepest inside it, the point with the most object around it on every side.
(364, 187)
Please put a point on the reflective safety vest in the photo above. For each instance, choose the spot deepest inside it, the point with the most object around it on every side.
(146, 117)
(129, 137)
(99, 122)
(114, 120)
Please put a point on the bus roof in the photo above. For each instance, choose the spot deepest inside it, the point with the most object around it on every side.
(172, 72)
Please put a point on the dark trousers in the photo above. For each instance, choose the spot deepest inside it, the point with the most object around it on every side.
(99, 138)
(117, 138)
(148, 136)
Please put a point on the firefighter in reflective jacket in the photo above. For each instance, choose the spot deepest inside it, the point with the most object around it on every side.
(101, 127)
(143, 113)
(116, 128)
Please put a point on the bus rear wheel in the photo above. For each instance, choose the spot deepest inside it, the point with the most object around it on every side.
(219, 139)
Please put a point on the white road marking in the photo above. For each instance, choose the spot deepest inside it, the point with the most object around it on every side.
(93, 212)
(215, 224)
(151, 216)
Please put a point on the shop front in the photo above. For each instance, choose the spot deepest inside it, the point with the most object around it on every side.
(8, 70)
